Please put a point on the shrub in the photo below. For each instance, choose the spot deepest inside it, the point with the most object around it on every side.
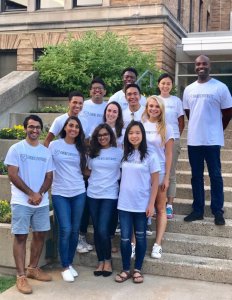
(51, 109)
(15, 133)
(5, 211)
(3, 168)
(73, 64)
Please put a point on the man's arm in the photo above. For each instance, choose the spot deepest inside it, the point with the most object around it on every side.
(50, 137)
(187, 111)
(226, 116)
(47, 183)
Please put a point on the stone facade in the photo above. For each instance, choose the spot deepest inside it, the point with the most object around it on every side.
(149, 24)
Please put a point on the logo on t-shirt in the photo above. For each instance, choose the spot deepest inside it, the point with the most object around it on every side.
(24, 157)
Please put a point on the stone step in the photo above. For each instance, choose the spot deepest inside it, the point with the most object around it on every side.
(184, 207)
(227, 133)
(174, 265)
(185, 191)
(183, 164)
(228, 143)
(204, 227)
(47, 118)
(226, 154)
(184, 177)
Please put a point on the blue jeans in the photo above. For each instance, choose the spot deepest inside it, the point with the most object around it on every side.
(211, 154)
(68, 211)
(101, 212)
(128, 221)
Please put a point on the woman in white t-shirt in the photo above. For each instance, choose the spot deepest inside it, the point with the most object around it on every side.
(138, 190)
(68, 190)
(174, 115)
(160, 141)
(102, 192)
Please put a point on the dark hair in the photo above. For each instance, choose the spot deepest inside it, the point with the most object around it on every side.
(134, 85)
(119, 122)
(34, 118)
(79, 141)
(98, 80)
(128, 148)
(130, 69)
(95, 146)
(165, 75)
(75, 94)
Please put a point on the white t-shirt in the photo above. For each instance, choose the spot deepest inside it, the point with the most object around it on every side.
(33, 163)
(93, 113)
(205, 101)
(68, 180)
(58, 124)
(120, 98)
(135, 186)
(154, 143)
(173, 110)
(105, 173)
(128, 116)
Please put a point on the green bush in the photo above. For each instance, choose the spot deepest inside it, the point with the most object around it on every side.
(51, 109)
(73, 64)
(3, 168)
(5, 211)
(15, 133)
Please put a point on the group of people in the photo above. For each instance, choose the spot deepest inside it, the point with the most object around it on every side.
(116, 162)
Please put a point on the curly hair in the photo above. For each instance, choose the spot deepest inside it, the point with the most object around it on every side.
(119, 122)
(95, 146)
(128, 147)
(79, 141)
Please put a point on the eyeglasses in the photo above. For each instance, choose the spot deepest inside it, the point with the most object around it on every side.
(97, 88)
(32, 127)
(103, 135)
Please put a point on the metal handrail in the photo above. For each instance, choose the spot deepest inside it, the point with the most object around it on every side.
(150, 74)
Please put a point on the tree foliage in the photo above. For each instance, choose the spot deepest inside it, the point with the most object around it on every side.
(73, 64)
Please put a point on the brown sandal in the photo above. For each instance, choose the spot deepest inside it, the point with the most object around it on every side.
(120, 278)
(139, 278)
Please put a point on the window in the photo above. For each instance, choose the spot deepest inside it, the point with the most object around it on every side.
(200, 15)
(41, 4)
(6, 5)
(86, 2)
(8, 62)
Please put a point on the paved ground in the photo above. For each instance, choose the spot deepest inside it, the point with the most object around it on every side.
(88, 287)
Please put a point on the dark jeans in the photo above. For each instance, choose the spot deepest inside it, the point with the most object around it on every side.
(128, 221)
(85, 220)
(68, 211)
(101, 211)
(211, 154)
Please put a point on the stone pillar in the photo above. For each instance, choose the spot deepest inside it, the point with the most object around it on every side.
(31, 5)
(25, 54)
(68, 4)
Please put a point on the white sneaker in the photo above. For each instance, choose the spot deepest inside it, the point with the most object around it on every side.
(132, 250)
(67, 276)
(88, 246)
(149, 230)
(82, 247)
(73, 271)
(156, 251)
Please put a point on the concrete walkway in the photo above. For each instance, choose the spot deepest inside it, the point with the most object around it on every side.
(88, 287)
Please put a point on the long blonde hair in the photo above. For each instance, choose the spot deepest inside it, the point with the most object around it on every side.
(161, 124)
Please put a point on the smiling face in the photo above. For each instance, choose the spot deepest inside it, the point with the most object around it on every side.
(153, 110)
(111, 114)
(128, 78)
(97, 92)
(133, 97)
(33, 131)
(72, 130)
(75, 105)
(135, 136)
(165, 86)
(104, 138)
(202, 68)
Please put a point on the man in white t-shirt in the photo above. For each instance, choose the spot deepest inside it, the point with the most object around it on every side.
(75, 105)
(30, 172)
(208, 106)
(129, 75)
(134, 110)
(93, 109)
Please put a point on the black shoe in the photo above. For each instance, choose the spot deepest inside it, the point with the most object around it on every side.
(193, 217)
(98, 273)
(219, 219)
(106, 273)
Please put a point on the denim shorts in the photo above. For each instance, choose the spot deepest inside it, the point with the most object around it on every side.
(24, 217)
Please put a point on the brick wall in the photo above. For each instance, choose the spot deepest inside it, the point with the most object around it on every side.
(220, 15)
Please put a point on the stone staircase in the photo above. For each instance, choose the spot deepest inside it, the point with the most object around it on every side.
(198, 250)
